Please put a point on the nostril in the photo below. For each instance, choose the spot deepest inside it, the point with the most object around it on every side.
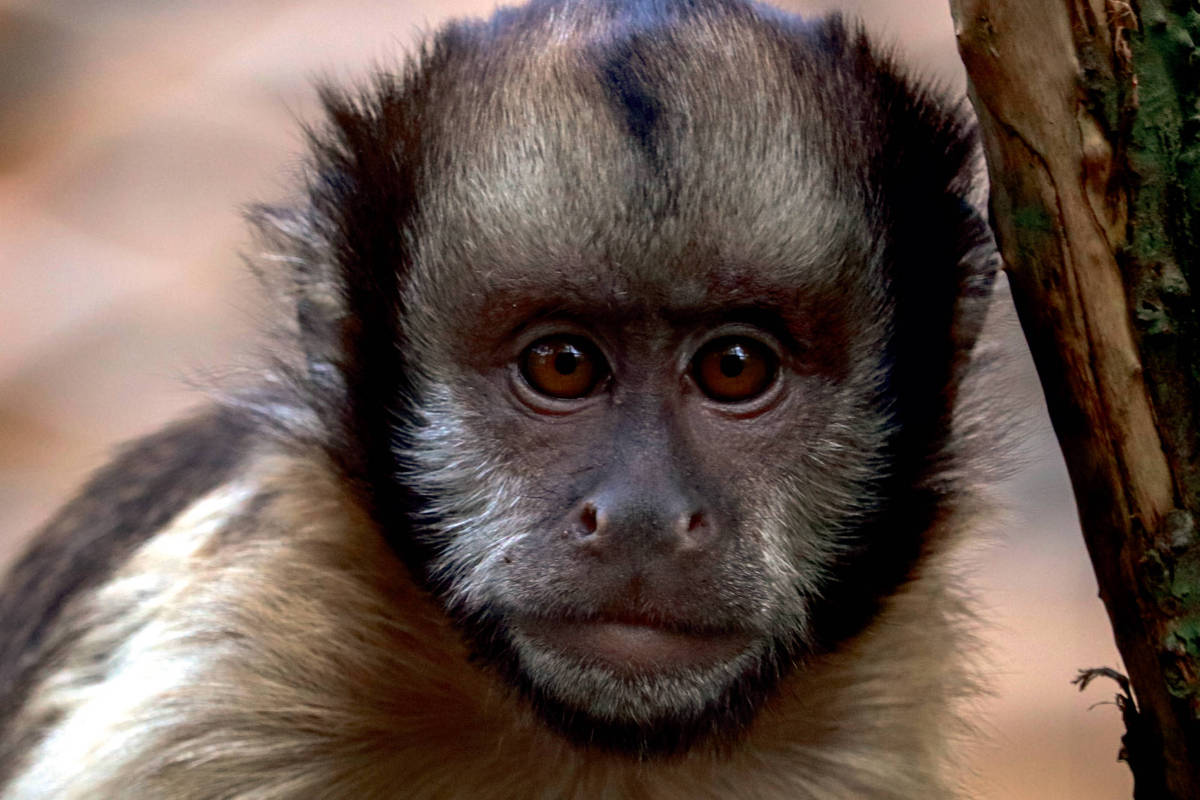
(694, 531)
(588, 517)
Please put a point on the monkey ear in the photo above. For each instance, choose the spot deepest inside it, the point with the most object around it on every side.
(337, 265)
(294, 268)
(979, 266)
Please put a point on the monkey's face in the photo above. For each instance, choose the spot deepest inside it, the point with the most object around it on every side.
(654, 428)
(634, 510)
(644, 459)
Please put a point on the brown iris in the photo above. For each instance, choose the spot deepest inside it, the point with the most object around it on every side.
(734, 368)
(566, 367)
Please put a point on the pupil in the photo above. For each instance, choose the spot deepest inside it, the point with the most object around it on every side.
(732, 363)
(565, 363)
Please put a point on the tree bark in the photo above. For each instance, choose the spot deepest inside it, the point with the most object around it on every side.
(1089, 113)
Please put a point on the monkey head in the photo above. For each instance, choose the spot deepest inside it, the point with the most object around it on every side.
(651, 335)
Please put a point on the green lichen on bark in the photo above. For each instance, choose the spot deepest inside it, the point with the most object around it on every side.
(1173, 581)
(1166, 133)
(1160, 260)
(1161, 263)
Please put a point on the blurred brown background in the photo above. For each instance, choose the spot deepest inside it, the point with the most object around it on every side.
(131, 131)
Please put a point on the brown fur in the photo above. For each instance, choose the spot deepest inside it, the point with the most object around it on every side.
(309, 665)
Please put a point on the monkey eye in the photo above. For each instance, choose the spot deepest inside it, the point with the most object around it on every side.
(566, 367)
(734, 368)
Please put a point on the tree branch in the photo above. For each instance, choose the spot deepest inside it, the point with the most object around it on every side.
(1084, 110)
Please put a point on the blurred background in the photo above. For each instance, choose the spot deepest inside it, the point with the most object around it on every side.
(130, 134)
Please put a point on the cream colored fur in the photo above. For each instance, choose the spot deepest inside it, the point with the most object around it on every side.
(278, 650)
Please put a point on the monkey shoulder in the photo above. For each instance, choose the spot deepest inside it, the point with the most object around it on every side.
(123, 504)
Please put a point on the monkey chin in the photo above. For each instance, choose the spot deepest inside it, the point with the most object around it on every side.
(631, 647)
(637, 689)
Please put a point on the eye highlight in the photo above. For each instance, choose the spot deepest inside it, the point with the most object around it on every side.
(564, 367)
(734, 368)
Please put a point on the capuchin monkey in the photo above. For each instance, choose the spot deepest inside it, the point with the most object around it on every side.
(613, 446)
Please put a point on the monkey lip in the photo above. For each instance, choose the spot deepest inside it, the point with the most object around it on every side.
(636, 646)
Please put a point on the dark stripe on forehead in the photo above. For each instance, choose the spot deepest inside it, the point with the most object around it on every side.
(623, 75)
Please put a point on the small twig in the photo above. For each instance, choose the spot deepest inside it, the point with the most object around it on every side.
(1130, 742)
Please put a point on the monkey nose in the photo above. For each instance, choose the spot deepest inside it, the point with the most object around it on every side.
(610, 525)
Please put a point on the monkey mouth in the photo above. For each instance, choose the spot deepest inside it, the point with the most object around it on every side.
(635, 646)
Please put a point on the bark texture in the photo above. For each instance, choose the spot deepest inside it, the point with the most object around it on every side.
(1091, 127)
